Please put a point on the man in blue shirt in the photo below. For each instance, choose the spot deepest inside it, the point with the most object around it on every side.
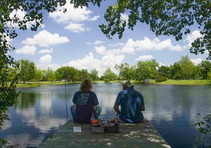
(131, 102)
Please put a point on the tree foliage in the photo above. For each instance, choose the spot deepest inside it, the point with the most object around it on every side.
(108, 75)
(94, 74)
(165, 17)
(147, 70)
(27, 70)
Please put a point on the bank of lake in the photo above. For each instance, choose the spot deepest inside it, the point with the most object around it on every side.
(168, 82)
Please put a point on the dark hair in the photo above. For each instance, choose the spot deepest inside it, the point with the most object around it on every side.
(86, 85)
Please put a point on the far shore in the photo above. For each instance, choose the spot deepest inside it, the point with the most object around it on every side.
(168, 82)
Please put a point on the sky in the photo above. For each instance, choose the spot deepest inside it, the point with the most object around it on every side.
(74, 39)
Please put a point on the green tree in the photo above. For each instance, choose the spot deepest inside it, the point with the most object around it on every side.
(31, 71)
(108, 75)
(166, 17)
(84, 74)
(187, 68)
(165, 71)
(124, 71)
(176, 71)
(50, 76)
(147, 70)
(94, 74)
(27, 70)
(205, 69)
(38, 75)
(67, 73)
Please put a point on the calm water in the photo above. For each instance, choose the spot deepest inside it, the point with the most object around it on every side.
(172, 110)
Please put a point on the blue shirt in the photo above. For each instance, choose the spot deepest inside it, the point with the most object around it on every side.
(131, 102)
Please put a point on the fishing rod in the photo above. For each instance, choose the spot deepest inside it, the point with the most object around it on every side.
(66, 95)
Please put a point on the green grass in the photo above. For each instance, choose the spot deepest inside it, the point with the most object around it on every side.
(168, 82)
(185, 82)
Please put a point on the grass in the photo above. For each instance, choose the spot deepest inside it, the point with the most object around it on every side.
(168, 82)
(185, 82)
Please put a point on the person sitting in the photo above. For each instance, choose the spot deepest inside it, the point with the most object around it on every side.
(85, 104)
(131, 102)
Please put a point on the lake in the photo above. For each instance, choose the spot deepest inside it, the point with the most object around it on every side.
(173, 111)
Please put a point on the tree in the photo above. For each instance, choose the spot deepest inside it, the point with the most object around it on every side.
(165, 71)
(124, 71)
(165, 17)
(38, 75)
(27, 70)
(50, 75)
(108, 75)
(67, 73)
(94, 74)
(205, 69)
(187, 68)
(84, 74)
(176, 71)
(147, 70)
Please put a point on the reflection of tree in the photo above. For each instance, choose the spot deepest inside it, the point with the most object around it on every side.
(27, 100)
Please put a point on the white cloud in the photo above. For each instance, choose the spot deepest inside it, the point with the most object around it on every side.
(94, 18)
(89, 62)
(72, 14)
(46, 50)
(103, 51)
(45, 63)
(177, 48)
(46, 66)
(192, 36)
(30, 50)
(97, 42)
(144, 58)
(75, 27)
(148, 44)
(46, 59)
(46, 39)
(100, 49)
(129, 46)
(196, 61)
(118, 44)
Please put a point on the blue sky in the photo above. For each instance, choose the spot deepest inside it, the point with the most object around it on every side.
(74, 39)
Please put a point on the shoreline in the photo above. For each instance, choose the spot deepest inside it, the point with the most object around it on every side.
(168, 82)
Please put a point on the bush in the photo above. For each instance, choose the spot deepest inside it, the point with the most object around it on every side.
(161, 79)
(106, 80)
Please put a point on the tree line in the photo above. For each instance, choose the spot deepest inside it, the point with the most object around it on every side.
(183, 69)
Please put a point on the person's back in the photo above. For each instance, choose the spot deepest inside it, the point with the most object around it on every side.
(132, 103)
(85, 103)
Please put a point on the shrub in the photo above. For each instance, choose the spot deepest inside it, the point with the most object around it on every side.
(106, 80)
(161, 79)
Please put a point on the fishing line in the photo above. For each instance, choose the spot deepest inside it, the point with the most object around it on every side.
(66, 101)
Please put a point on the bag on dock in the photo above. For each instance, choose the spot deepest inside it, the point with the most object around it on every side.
(105, 126)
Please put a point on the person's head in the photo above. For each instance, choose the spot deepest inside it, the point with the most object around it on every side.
(126, 84)
(86, 85)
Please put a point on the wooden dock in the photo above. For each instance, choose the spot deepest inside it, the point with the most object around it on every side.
(141, 135)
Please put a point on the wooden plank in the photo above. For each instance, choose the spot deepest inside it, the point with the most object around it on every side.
(130, 135)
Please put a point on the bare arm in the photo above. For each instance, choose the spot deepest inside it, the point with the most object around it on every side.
(94, 107)
(116, 108)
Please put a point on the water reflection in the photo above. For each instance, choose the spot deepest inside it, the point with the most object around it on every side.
(173, 110)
